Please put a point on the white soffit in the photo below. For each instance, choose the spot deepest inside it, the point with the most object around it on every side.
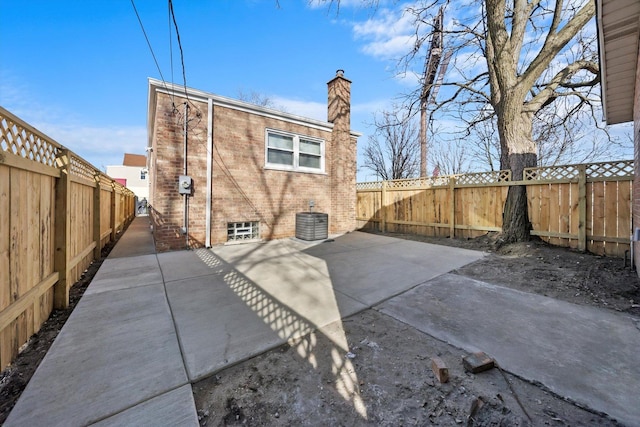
(619, 32)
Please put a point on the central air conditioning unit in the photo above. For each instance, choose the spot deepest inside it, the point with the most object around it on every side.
(312, 225)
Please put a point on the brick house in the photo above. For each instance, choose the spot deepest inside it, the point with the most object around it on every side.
(619, 45)
(250, 168)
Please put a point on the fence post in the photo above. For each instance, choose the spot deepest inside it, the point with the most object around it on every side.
(582, 207)
(113, 216)
(97, 216)
(383, 208)
(452, 208)
(62, 232)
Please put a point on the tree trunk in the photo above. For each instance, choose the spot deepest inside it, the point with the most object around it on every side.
(515, 216)
(423, 137)
(518, 152)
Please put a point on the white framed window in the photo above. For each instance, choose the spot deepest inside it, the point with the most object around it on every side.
(292, 152)
(239, 231)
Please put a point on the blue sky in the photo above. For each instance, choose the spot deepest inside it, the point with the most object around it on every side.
(77, 69)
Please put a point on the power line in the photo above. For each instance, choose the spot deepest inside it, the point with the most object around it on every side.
(175, 24)
(170, 41)
(148, 42)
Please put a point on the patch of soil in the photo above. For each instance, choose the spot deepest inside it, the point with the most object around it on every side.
(16, 376)
(389, 381)
(537, 267)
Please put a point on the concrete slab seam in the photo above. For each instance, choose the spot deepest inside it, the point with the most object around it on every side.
(173, 320)
(190, 277)
(241, 360)
(376, 304)
(140, 403)
(96, 292)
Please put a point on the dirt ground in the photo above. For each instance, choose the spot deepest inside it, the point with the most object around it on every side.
(385, 376)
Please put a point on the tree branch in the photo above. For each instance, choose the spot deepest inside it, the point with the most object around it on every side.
(562, 79)
(555, 42)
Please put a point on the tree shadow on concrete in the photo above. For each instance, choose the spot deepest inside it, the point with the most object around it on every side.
(296, 329)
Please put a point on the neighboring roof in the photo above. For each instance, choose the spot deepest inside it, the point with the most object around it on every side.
(137, 160)
(156, 86)
(618, 35)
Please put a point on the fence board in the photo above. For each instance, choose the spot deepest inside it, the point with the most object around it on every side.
(573, 216)
(610, 216)
(33, 241)
(544, 209)
(554, 213)
(597, 217)
(534, 204)
(47, 225)
(105, 216)
(625, 196)
(5, 238)
(17, 253)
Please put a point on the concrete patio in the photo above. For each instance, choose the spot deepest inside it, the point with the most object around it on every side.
(151, 324)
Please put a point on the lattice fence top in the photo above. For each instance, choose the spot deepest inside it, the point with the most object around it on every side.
(479, 178)
(79, 167)
(24, 142)
(419, 182)
(617, 169)
(105, 180)
(622, 168)
(551, 173)
(484, 177)
(371, 185)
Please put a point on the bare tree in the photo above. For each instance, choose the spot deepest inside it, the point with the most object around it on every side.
(515, 59)
(393, 151)
(259, 99)
(560, 139)
(450, 157)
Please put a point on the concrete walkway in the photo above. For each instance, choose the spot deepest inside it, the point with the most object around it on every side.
(151, 324)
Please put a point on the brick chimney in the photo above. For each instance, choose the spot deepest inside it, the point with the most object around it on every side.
(339, 104)
(341, 156)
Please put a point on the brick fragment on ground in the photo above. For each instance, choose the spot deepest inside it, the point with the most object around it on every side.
(440, 369)
(478, 362)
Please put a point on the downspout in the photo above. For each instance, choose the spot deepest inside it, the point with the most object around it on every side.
(207, 241)
(184, 172)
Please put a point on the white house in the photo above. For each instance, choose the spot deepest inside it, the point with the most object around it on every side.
(132, 174)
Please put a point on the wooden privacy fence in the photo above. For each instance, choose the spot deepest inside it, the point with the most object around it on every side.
(585, 206)
(57, 212)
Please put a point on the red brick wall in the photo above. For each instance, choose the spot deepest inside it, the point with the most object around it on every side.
(242, 190)
(636, 179)
(167, 165)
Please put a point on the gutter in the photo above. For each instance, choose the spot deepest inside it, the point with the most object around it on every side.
(601, 52)
(207, 241)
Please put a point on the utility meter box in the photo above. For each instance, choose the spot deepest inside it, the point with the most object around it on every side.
(185, 184)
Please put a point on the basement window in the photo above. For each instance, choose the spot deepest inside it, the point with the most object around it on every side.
(241, 231)
(291, 152)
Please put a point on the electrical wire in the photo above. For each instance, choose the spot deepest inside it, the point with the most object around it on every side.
(170, 41)
(184, 74)
(148, 43)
